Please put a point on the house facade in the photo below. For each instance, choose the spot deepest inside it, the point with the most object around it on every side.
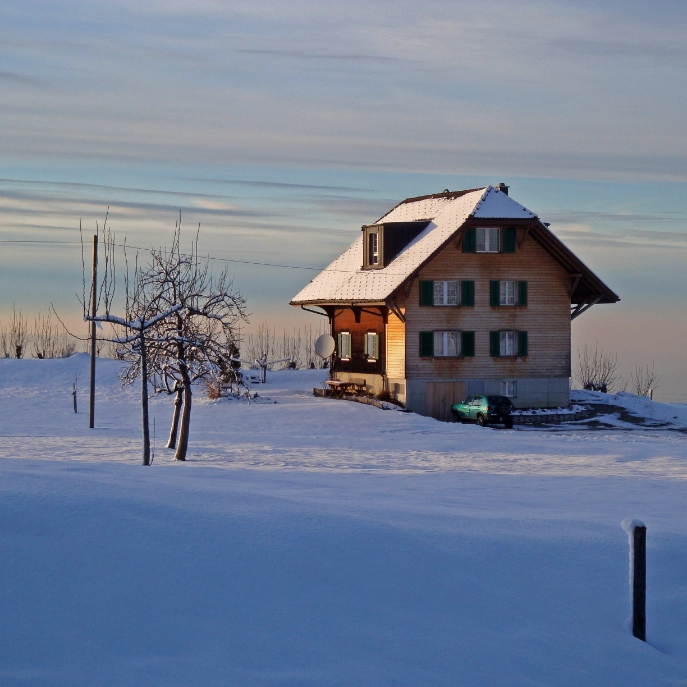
(454, 294)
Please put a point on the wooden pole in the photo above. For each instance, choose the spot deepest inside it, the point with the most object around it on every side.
(636, 531)
(94, 305)
(639, 583)
(144, 399)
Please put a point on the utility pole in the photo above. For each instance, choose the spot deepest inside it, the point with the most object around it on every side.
(94, 306)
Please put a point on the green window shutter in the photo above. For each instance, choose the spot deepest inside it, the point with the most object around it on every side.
(426, 344)
(508, 241)
(470, 240)
(467, 344)
(339, 342)
(494, 294)
(375, 352)
(426, 293)
(522, 293)
(522, 343)
(495, 344)
(467, 294)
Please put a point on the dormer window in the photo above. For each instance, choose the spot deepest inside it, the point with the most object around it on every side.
(373, 250)
(383, 242)
(488, 239)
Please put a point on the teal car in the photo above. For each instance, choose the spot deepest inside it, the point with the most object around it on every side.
(484, 410)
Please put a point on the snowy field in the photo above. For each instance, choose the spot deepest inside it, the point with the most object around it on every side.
(319, 542)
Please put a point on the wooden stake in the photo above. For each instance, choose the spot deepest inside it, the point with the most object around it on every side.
(636, 531)
(639, 584)
(94, 273)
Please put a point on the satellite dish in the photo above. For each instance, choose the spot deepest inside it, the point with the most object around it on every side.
(325, 345)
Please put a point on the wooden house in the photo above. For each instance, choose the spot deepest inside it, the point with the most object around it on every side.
(453, 294)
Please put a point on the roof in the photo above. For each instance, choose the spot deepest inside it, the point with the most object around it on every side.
(345, 281)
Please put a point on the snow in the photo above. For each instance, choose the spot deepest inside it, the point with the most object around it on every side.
(674, 413)
(345, 279)
(498, 205)
(318, 542)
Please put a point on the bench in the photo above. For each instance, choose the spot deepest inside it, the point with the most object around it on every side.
(357, 386)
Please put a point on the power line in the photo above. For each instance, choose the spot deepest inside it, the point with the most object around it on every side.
(210, 257)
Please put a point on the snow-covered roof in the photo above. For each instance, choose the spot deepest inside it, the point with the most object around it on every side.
(345, 280)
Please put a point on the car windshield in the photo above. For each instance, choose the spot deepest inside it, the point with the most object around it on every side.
(497, 400)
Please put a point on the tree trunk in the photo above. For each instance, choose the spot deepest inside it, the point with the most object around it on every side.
(182, 446)
(178, 400)
(144, 400)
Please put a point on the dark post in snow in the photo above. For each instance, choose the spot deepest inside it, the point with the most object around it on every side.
(74, 395)
(94, 305)
(144, 395)
(636, 531)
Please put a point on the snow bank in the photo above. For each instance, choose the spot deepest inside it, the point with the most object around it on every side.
(167, 576)
(361, 547)
(642, 406)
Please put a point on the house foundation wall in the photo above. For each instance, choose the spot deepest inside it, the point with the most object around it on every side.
(532, 392)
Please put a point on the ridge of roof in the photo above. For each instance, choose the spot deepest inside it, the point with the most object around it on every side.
(447, 195)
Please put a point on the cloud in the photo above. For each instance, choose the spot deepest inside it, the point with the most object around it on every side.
(312, 55)
(455, 88)
(16, 78)
(277, 184)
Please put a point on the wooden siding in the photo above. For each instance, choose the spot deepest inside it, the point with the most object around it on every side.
(440, 396)
(344, 321)
(546, 318)
(395, 348)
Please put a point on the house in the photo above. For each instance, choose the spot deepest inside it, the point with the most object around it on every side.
(452, 294)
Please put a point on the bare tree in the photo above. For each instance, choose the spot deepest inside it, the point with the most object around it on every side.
(16, 337)
(597, 370)
(644, 381)
(294, 350)
(141, 313)
(199, 340)
(48, 341)
(4, 343)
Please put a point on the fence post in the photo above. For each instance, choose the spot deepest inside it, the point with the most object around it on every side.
(636, 531)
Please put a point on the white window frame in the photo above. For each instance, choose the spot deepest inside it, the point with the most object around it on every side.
(508, 343)
(345, 352)
(508, 293)
(373, 255)
(447, 292)
(372, 346)
(488, 239)
(509, 388)
(447, 344)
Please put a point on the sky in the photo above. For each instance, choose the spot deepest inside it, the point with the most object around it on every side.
(282, 127)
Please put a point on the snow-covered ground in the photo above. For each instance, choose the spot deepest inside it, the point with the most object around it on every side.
(311, 541)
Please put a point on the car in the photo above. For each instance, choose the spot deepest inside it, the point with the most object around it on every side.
(484, 410)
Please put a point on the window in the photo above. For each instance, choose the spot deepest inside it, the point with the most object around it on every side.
(373, 249)
(509, 389)
(488, 240)
(507, 344)
(446, 344)
(372, 346)
(344, 345)
(507, 293)
(446, 293)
